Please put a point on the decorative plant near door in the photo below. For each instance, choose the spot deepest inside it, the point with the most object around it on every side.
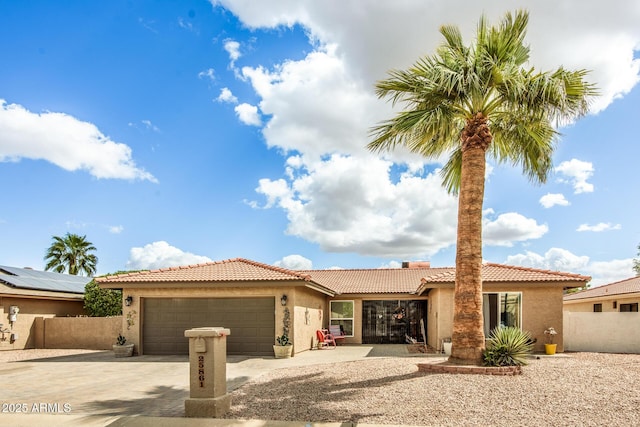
(550, 346)
(507, 347)
(131, 316)
(283, 348)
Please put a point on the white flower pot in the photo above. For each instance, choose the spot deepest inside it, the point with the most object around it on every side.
(282, 351)
(447, 348)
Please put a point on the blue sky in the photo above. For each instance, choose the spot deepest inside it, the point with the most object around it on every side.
(172, 133)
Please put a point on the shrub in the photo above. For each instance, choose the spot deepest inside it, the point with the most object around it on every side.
(507, 347)
(102, 302)
(283, 340)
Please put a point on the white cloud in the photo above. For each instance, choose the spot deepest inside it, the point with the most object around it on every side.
(150, 126)
(549, 200)
(336, 120)
(581, 34)
(115, 229)
(64, 141)
(602, 226)
(187, 25)
(233, 49)
(294, 262)
(557, 259)
(605, 272)
(510, 227)
(209, 74)
(351, 204)
(248, 114)
(319, 109)
(227, 96)
(161, 255)
(578, 172)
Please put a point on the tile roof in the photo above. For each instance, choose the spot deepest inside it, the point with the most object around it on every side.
(508, 273)
(627, 286)
(237, 269)
(410, 280)
(372, 281)
(341, 281)
(27, 278)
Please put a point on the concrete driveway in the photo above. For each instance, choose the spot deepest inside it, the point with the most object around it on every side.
(96, 388)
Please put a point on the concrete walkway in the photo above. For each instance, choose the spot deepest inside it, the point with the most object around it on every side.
(97, 389)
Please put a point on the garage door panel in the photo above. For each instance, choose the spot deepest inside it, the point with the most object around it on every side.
(251, 320)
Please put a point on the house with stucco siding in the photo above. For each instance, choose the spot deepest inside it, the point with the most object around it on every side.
(28, 296)
(371, 306)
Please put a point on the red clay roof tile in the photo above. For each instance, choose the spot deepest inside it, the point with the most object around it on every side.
(627, 286)
(237, 269)
(347, 281)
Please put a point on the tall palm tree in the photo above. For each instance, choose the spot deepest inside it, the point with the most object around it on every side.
(71, 254)
(468, 102)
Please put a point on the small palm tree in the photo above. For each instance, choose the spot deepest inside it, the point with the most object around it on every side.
(468, 102)
(71, 254)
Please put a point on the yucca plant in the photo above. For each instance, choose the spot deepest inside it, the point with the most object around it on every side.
(507, 347)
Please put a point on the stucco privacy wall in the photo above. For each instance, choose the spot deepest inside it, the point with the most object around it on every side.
(91, 333)
(439, 316)
(132, 315)
(29, 310)
(309, 313)
(605, 332)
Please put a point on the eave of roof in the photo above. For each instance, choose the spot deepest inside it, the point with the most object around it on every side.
(339, 281)
(13, 292)
(622, 287)
(231, 270)
(501, 273)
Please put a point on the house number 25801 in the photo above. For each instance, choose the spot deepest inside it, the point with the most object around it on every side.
(201, 370)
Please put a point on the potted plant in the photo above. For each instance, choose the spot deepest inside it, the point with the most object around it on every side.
(283, 348)
(121, 348)
(550, 346)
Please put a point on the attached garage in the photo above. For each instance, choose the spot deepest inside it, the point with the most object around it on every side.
(251, 321)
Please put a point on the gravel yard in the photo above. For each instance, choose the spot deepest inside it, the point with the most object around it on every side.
(586, 389)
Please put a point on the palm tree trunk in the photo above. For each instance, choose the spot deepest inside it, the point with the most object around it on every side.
(468, 326)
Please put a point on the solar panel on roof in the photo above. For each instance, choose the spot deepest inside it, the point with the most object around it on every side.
(26, 278)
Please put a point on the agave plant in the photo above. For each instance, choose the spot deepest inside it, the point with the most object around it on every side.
(507, 347)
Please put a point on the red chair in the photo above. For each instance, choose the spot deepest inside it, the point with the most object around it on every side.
(325, 339)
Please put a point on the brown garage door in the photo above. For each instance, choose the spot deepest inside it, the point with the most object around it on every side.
(251, 320)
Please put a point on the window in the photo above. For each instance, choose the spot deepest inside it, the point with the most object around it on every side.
(615, 305)
(501, 309)
(597, 308)
(342, 315)
(629, 307)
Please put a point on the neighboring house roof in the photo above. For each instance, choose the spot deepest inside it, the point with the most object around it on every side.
(339, 281)
(627, 286)
(29, 282)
